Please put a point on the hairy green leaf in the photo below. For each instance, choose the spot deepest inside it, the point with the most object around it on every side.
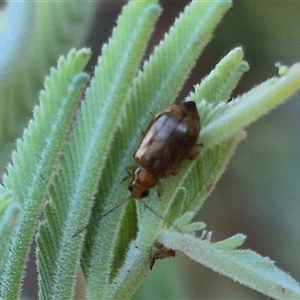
(162, 77)
(249, 107)
(243, 266)
(88, 149)
(9, 217)
(101, 139)
(33, 163)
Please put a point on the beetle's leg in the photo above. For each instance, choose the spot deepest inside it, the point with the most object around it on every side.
(195, 154)
(152, 114)
(159, 189)
(192, 155)
(129, 171)
(175, 172)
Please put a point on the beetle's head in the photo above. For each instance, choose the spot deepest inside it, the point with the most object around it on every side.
(143, 181)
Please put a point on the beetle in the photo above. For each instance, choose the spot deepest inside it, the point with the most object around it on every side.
(168, 141)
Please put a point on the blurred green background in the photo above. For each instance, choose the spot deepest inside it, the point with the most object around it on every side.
(259, 194)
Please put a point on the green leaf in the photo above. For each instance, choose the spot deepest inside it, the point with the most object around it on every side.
(214, 90)
(33, 163)
(249, 107)
(154, 88)
(101, 140)
(89, 147)
(243, 266)
(9, 217)
(184, 225)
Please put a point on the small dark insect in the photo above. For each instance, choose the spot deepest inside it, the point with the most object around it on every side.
(162, 253)
(168, 141)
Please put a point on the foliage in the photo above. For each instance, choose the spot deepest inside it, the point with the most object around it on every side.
(75, 151)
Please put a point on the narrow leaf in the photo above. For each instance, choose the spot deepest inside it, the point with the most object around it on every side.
(33, 163)
(9, 217)
(243, 266)
(74, 188)
(213, 92)
(249, 107)
(157, 86)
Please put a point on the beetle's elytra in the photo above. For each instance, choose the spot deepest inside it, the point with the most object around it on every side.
(168, 141)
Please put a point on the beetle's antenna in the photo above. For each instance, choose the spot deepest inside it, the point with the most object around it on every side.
(160, 216)
(97, 219)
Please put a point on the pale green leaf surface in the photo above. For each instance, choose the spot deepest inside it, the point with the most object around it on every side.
(33, 163)
(231, 243)
(218, 85)
(154, 88)
(9, 217)
(243, 266)
(249, 107)
(214, 90)
(88, 149)
(185, 218)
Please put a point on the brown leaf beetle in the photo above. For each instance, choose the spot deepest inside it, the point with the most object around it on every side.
(168, 141)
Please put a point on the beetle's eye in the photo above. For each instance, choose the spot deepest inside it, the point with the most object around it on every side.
(130, 187)
(144, 194)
